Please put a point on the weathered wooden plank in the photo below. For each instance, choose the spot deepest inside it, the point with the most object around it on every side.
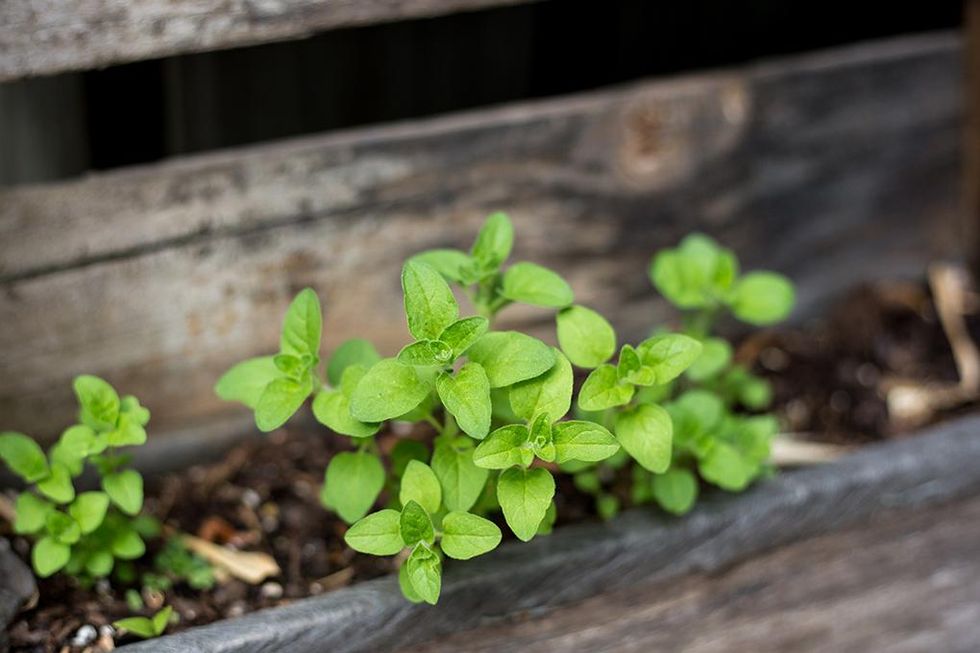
(833, 168)
(910, 582)
(39, 37)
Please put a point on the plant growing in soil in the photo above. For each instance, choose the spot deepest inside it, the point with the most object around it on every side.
(496, 399)
(85, 534)
(709, 425)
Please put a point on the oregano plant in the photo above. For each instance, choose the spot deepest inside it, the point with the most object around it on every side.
(86, 534)
(677, 403)
(499, 403)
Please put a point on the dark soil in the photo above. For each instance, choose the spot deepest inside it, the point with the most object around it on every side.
(829, 378)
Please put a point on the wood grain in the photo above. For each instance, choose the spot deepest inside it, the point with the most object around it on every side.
(909, 582)
(971, 178)
(39, 37)
(834, 168)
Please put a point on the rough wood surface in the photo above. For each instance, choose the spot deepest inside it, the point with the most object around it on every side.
(642, 547)
(39, 37)
(908, 582)
(833, 167)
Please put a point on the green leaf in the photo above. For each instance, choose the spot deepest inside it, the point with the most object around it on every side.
(630, 369)
(509, 357)
(23, 456)
(139, 626)
(245, 381)
(603, 389)
(494, 242)
(415, 525)
(762, 298)
(279, 401)
(355, 351)
(547, 524)
(466, 536)
(128, 545)
(420, 484)
(540, 438)
(100, 563)
(668, 355)
(125, 489)
(524, 496)
(697, 411)
(503, 448)
(352, 483)
(607, 505)
(57, 486)
(89, 510)
(128, 432)
(715, 356)
(462, 480)
(461, 334)
(536, 285)
(99, 402)
(724, 467)
(161, 619)
(585, 336)
(405, 583)
(429, 303)
(583, 441)
(377, 534)
(695, 274)
(75, 445)
(48, 556)
(62, 528)
(302, 326)
(424, 571)
(426, 353)
(646, 432)
(549, 393)
(291, 366)
(675, 490)
(447, 262)
(332, 409)
(388, 390)
(32, 512)
(466, 395)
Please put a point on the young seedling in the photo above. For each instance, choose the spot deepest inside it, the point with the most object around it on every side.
(85, 533)
(147, 627)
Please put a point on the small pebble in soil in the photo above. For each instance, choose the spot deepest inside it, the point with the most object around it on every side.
(251, 498)
(84, 636)
(774, 359)
(271, 590)
(236, 609)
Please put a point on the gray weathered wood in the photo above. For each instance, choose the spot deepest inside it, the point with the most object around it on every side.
(906, 583)
(39, 37)
(642, 547)
(833, 168)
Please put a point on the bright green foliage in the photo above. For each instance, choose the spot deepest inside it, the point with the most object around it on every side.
(275, 387)
(147, 627)
(585, 336)
(664, 410)
(352, 483)
(84, 533)
(701, 429)
(176, 564)
(700, 275)
(524, 496)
